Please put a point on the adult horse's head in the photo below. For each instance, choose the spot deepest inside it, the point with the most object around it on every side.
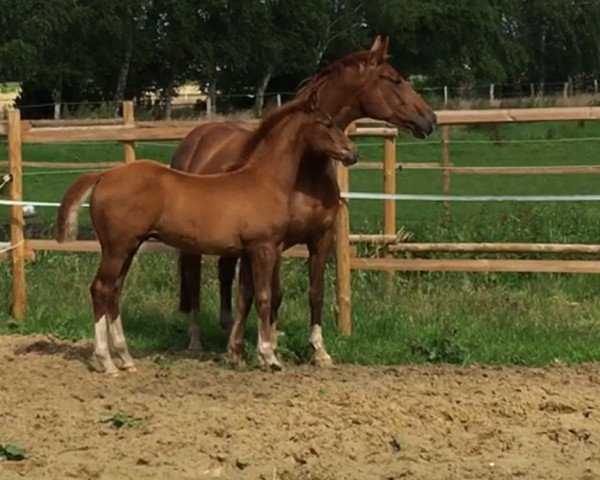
(365, 84)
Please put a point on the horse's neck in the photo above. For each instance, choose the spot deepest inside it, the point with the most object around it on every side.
(277, 158)
(340, 106)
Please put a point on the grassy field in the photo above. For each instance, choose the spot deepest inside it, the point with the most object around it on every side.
(458, 318)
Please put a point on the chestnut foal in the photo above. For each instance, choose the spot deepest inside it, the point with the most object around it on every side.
(245, 211)
(362, 84)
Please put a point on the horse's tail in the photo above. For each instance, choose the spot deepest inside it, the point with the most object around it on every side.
(76, 194)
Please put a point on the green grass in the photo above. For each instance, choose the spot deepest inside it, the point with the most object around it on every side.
(529, 319)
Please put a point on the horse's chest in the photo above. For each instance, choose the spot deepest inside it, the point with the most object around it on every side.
(310, 214)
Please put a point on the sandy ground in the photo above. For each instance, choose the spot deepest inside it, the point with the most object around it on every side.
(204, 420)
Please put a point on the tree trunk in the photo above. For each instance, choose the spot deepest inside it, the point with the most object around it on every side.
(57, 99)
(123, 74)
(212, 96)
(259, 99)
(168, 95)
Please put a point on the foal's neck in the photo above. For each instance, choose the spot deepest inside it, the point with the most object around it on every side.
(277, 158)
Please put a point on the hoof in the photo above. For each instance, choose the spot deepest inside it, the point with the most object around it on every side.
(270, 362)
(276, 366)
(322, 360)
(235, 360)
(194, 347)
(130, 369)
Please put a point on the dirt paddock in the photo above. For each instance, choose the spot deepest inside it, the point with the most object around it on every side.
(204, 420)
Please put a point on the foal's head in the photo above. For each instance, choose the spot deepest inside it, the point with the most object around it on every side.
(367, 85)
(324, 137)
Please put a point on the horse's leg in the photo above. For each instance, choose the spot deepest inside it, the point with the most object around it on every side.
(103, 290)
(226, 276)
(115, 328)
(244, 303)
(263, 258)
(318, 251)
(190, 273)
(276, 299)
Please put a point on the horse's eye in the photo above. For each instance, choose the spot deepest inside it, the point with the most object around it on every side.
(396, 80)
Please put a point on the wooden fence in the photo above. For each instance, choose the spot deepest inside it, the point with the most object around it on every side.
(127, 131)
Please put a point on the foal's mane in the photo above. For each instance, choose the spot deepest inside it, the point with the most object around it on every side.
(270, 121)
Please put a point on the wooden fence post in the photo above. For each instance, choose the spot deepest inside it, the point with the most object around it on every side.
(342, 253)
(17, 237)
(389, 186)
(446, 165)
(128, 120)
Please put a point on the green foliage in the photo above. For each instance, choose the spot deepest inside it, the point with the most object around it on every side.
(120, 419)
(74, 50)
(12, 453)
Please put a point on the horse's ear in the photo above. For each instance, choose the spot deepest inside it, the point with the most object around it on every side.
(386, 45)
(376, 44)
(377, 53)
(313, 101)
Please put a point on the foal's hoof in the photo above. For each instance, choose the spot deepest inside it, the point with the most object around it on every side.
(322, 360)
(270, 362)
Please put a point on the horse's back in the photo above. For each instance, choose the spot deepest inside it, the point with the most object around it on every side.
(212, 147)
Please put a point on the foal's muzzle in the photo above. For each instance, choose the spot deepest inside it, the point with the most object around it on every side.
(349, 157)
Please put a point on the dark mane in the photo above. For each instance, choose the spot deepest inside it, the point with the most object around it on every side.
(351, 60)
(269, 122)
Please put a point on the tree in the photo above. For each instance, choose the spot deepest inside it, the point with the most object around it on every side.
(37, 45)
(462, 41)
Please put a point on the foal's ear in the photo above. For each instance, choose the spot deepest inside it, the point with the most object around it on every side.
(313, 101)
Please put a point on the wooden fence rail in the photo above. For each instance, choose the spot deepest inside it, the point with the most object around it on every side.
(127, 131)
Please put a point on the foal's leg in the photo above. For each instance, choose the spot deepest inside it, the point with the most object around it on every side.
(318, 249)
(190, 276)
(115, 326)
(244, 303)
(104, 289)
(263, 259)
(226, 276)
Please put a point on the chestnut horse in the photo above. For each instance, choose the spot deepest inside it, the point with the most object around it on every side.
(242, 212)
(362, 84)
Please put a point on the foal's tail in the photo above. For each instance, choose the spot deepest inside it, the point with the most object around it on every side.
(76, 194)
